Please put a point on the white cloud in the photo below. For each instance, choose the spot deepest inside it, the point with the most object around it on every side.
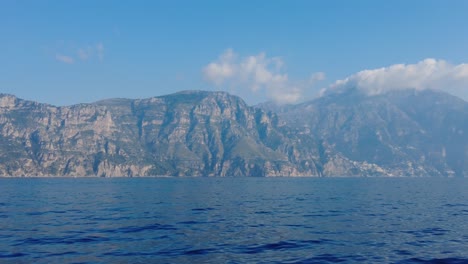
(217, 72)
(317, 76)
(82, 53)
(90, 51)
(258, 73)
(100, 51)
(426, 74)
(64, 58)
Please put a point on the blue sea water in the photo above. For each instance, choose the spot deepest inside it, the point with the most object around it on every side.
(233, 220)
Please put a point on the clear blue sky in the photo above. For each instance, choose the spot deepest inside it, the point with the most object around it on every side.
(65, 52)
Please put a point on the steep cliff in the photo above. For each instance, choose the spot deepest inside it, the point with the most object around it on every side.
(191, 133)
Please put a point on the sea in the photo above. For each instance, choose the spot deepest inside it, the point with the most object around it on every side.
(233, 220)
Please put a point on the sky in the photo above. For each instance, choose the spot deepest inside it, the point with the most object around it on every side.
(68, 52)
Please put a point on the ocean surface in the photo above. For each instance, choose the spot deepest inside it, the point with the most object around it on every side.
(233, 220)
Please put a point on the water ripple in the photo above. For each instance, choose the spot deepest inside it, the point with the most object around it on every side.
(12, 255)
(233, 220)
(203, 209)
(136, 229)
(60, 240)
(435, 261)
(330, 258)
(281, 245)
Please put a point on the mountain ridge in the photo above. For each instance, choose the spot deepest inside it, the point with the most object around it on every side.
(366, 127)
(205, 133)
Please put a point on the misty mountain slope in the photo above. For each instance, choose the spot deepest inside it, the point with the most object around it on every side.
(189, 133)
(445, 117)
(401, 133)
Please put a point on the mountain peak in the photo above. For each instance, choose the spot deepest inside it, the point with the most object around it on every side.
(8, 100)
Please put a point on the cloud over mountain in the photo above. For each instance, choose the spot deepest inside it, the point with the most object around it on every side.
(258, 73)
(426, 74)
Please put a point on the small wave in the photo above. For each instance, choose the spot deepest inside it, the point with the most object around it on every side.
(435, 231)
(116, 209)
(272, 246)
(455, 205)
(190, 223)
(329, 258)
(435, 261)
(127, 254)
(12, 255)
(62, 253)
(35, 213)
(420, 243)
(203, 209)
(263, 212)
(313, 215)
(202, 251)
(61, 240)
(57, 212)
(45, 212)
(136, 229)
(282, 245)
(117, 218)
(403, 252)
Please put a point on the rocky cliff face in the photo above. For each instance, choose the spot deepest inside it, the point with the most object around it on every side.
(184, 134)
(198, 133)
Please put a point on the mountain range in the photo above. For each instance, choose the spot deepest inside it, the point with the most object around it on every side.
(200, 133)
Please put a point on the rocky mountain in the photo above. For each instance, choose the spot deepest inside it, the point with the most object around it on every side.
(198, 133)
(191, 133)
(401, 133)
